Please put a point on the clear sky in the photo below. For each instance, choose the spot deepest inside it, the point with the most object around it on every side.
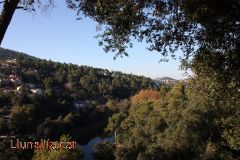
(58, 36)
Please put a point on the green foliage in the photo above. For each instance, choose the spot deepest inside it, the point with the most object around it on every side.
(3, 125)
(115, 121)
(104, 150)
(78, 81)
(6, 54)
(69, 118)
(22, 118)
(179, 126)
(51, 128)
(118, 106)
(13, 154)
(48, 92)
(165, 25)
(24, 90)
(53, 113)
(48, 82)
(60, 154)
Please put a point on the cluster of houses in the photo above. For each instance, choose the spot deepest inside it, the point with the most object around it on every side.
(170, 81)
(17, 86)
(7, 63)
(10, 82)
(11, 79)
(33, 88)
(13, 84)
(16, 90)
(165, 80)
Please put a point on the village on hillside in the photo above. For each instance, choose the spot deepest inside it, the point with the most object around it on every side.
(13, 83)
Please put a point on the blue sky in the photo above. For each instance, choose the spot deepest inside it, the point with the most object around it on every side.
(58, 36)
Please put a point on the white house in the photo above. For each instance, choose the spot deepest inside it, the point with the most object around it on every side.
(37, 91)
(79, 104)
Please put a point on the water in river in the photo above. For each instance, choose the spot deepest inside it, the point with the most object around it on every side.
(88, 148)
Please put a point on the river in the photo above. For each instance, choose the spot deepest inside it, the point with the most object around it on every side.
(88, 148)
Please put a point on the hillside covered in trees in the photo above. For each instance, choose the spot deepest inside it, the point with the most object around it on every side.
(197, 119)
(45, 99)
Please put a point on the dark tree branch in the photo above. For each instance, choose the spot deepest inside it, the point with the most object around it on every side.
(6, 15)
(20, 8)
(9, 7)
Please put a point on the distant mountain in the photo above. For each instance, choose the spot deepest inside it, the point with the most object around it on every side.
(166, 80)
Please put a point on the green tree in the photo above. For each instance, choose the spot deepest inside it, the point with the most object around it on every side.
(48, 92)
(166, 25)
(69, 119)
(51, 128)
(160, 130)
(22, 118)
(48, 83)
(3, 125)
(60, 154)
(115, 121)
(24, 90)
(104, 150)
(7, 153)
(215, 100)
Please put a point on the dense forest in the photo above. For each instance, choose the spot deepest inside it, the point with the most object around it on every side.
(161, 122)
(45, 99)
(174, 123)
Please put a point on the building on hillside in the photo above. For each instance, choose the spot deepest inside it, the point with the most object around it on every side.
(12, 61)
(19, 88)
(165, 80)
(79, 104)
(37, 91)
(16, 80)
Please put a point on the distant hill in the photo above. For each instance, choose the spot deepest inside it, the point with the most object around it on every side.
(10, 54)
(166, 80)
(80, 82)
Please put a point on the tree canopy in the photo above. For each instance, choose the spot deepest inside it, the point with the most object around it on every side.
(167, 25)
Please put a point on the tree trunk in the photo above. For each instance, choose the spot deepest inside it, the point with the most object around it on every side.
(8, 10)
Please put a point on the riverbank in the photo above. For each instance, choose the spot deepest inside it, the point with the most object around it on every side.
(88, 148)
